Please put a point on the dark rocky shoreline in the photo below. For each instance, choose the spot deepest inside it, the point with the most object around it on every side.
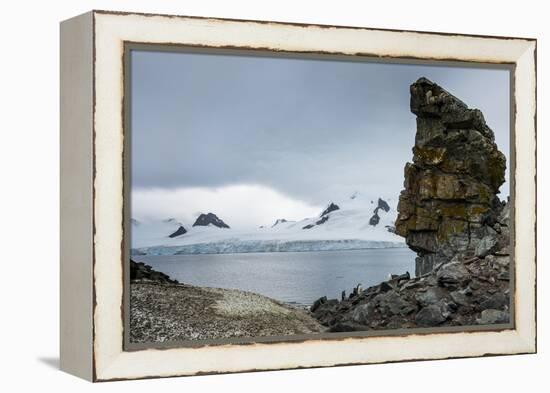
(468, 290)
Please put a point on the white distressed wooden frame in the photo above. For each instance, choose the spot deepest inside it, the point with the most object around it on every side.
(92, 194)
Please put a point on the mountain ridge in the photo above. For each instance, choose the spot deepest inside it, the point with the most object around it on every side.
(341, 226)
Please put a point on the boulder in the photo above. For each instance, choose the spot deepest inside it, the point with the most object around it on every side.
(391, 303)
(384, 287)
(489, 317)
(432, 295)
(431, 315)
(453, 274)
(487, 245)
(326, 311)
(461, 297)
(363, 313)
(497, 301)
(317, 303)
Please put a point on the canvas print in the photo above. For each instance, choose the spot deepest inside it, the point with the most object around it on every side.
(288, 197)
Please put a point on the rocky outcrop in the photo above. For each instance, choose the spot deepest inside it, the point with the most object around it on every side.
(324, 216)
(279, 221)
(178, 232)
(321, 221)
(332, 207)
(141, 271)
(209, 219)
(382, 205)
(449, 204)
(375, 219)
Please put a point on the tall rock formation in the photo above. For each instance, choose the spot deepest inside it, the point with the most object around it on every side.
(449, 204)
(451, 216)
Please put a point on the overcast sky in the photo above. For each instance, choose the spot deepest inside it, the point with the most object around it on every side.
(255, 138)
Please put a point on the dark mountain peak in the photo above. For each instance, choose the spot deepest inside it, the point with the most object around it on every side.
(382, 204)
(332, 207)
(171, 219)
(180, 231)
(209, 219)
(279, 221)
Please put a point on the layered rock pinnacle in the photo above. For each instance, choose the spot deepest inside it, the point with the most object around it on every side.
(449, 204)
(451, 216)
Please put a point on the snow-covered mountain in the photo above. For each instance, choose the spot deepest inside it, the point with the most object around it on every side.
(356, 223)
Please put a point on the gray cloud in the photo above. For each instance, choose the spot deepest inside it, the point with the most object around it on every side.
(313, 130)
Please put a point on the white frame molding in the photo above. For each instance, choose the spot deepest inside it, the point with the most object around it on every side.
(93, 47)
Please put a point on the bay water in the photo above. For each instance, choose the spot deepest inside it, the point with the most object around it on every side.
(291, 277)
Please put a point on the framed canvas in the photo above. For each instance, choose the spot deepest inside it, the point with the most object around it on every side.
(245, 195)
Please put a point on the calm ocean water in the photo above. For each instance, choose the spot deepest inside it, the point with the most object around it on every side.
(291, 277)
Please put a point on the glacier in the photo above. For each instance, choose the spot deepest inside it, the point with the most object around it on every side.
(249, 246)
